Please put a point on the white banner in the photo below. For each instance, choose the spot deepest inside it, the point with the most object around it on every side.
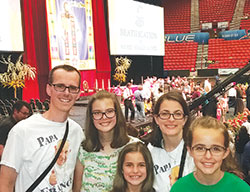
(135, 28)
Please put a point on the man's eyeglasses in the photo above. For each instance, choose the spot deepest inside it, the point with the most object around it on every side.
(215, 150)
(62, 88)
(97, 115)
(166, 115)
(25, 113)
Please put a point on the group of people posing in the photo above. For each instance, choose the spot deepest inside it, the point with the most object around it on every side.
(182, 154)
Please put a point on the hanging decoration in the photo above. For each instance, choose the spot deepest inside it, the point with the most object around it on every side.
(122, 65)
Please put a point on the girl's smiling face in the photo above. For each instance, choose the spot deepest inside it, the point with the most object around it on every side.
(208, 163)
(134, 169)
(104, 124)
(171, 126)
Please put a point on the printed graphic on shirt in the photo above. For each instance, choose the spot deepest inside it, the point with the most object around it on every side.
(174, 175)
(161, 169)
(46, 140)
(58, 178)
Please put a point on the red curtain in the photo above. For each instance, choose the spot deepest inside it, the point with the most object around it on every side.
(37, 53)
(36, 49)
(31, 89)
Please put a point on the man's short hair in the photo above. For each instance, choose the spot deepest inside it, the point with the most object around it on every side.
(68, 68)
(19, 104)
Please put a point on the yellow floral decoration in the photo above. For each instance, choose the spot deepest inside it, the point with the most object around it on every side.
(122, 65)
(16, 73)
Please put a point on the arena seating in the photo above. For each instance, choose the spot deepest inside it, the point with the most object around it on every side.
(180, 56)
(3, 109)
(177, 16)
(36, 106)
(245, 22)
(228, 54)
(247, 7)
(216, 11)
(225, 54)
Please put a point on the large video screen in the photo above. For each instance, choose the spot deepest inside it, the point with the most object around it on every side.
(71, 37)
(135, 28)
(11, 33)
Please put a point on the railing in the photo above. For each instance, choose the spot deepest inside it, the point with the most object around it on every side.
(218, 90)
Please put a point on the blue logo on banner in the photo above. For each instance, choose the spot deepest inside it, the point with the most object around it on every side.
(187, 37)
(233, 34)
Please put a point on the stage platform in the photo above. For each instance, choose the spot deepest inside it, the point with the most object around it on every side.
(78, 113)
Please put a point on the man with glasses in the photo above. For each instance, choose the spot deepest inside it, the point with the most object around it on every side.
(20, 110)
(31, 144)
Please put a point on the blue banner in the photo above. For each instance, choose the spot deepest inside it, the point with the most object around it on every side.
(188, 37)
(232, 34)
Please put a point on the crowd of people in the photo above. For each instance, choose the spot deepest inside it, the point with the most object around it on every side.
(140, 99)
(182, 154)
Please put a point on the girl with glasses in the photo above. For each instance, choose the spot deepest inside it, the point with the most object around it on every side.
(170, 123)
(105, 132)
(208, 144)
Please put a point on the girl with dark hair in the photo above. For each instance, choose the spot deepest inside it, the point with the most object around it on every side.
(170, 124)
(106, 135)
(134, 169)
(208, 144)
(241, 139)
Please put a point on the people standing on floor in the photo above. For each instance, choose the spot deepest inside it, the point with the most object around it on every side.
(219, 110)
(159, 92)
(248, 97)
(224, 106)
(217, 79)
(207, 85)
(196, 94)
(20, 110)
(118, 93)
(148, 105)
(139, 103)
(31, 143)
(192, 85)
(208, 143)
(147, 89)
(225, 102)
(128, 96)
(106, 135)
(239, 105)
(170, 124)
(232, 95)
(187, 90)
(134, 170)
